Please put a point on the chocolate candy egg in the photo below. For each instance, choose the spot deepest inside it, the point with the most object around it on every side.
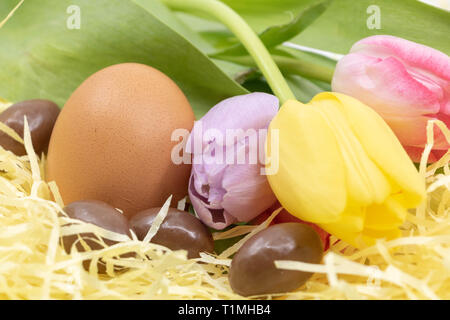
(179, 230)
(41, 116)
(253, 271)
(100, 214)
(113, 139)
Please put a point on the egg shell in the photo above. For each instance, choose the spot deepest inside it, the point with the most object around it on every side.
(112, 140)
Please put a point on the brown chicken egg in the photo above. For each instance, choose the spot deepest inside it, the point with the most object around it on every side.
(112, 140)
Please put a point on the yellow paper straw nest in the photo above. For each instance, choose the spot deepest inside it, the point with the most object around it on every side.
(33, 264)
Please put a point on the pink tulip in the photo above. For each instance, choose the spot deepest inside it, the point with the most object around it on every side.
(405, 82)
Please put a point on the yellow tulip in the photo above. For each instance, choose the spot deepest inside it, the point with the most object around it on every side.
(340, 166)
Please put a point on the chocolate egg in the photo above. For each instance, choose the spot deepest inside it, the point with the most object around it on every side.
(41, 116)
(100, 214)
(112, 140)
(253, 270)
(179, 230)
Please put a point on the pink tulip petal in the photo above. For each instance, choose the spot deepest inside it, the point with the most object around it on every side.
(413, 54)
(405, 94)
(405, 82)
(412, 131)
(385, 85)
(415, 153)
(426, 64)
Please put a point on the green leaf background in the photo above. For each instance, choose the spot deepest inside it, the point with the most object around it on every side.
(40, 57)
(345, 21)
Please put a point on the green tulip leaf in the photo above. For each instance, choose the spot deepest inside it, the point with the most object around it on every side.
(292, 62)
(305, 89)
(43, 56)
(275, 35)
(347, 21)
(262, 14)
(212, 32)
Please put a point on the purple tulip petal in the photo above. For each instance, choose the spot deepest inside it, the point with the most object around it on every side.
(248, 192)
(250, 111)
(214, 218)
(223, 192)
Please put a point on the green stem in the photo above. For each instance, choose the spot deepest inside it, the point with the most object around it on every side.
(289, 66)
(246, 35)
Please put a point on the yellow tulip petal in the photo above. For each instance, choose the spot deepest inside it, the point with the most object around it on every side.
(345, 235)
(341, 166)
(385, 216)
(351, 221)
(370, 236)
(349, 227)
(311, 168)
(365, 182)
(382, 147)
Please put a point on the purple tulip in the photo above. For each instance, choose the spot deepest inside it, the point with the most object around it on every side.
(227, 146)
